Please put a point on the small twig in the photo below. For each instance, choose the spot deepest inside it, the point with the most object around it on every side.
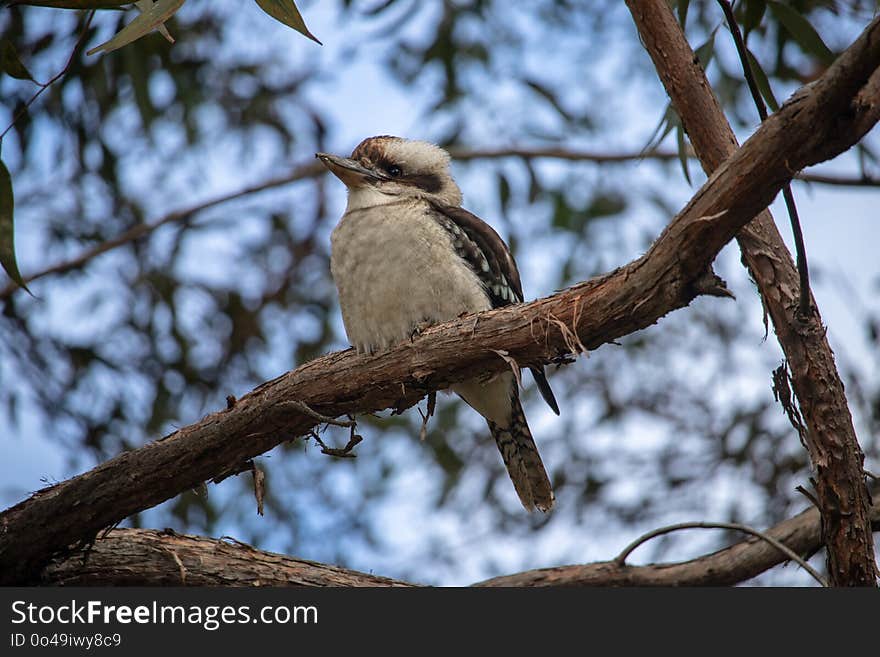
(620, 560)
(432, 402)
(109, 529)
(339, 452)
(862, 180)
(805, 306)
(54, 79)
(302, 407)
(803, 491)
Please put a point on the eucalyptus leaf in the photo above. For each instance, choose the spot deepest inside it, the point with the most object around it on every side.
(10, 62)
(74, 4)
(762, 81)
(752, 14)
(683, 6)
(804, 33)
(667, 122)
(503, 192)
(148, 21)
(285, 11)
(683, 153)
(7, 228)
(145, 5)
(707, 50)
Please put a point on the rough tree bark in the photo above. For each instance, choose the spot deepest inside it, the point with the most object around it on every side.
(144, 557)
(827, 428)
(817, 123)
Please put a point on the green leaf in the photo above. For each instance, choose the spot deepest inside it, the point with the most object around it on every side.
(683, 6)
(11, 64)
(752, 14)
(285, 11)
(550, 97)
(606, 204)
(706, 51)
(74, 4)
(762, 81)
(503, 192)
(564, 216)
(683, 153)
(148, 21)
(804, 33)
(667, 122)
(7, 228)
(145, 5)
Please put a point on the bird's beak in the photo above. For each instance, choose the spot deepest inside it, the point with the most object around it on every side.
(349, 171)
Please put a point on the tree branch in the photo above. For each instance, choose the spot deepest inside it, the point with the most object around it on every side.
(144, 557)
(732, 565)
(148, 557)
(620, 559)
(599, 157)
(830, 436)
(808, 128)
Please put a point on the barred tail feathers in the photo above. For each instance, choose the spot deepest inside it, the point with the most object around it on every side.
(497, 400)
(523, 463)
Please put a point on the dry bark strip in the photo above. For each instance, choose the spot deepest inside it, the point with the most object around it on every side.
(816, 124)
(145, 557)
(829, 434)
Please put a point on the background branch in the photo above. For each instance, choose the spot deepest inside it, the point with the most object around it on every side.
(732, 565)
(620, 559)
(310, 169)
(306, 170)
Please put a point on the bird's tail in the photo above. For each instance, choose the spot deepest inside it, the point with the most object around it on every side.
(524, 465)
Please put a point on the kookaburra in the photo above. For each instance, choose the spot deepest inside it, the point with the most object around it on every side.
(406, 255)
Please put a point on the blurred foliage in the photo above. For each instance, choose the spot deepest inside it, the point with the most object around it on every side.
(676, 422)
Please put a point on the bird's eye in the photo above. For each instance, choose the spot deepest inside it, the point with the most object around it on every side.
(393, 170)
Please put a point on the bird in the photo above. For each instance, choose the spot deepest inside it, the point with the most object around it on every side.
(406, 255)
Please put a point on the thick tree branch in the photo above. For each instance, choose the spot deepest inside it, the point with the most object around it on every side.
(143, 557)
(147, 557)
(630, 298)
(830, 436)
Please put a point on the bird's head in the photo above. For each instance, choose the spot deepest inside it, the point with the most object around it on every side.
(388, 167)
